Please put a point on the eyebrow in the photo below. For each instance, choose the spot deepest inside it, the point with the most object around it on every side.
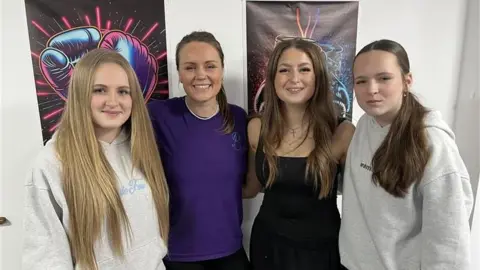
(378, 74)
(288, 65)
(208, 61)
(103, 85)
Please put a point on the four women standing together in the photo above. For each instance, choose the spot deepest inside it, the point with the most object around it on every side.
(100, 196)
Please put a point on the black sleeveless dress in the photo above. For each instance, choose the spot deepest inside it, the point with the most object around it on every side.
(294, 230)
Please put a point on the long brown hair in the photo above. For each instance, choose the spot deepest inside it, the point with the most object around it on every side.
(89, 182)
(321, 116)
(403, 155)
(209, 38)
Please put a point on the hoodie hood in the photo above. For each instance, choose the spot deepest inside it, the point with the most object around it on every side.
(434, 121)
(122, 137)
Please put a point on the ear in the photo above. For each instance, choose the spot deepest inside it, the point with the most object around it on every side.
(408, 81)
(180, 78)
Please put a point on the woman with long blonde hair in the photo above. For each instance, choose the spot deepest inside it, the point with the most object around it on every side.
(96, 197)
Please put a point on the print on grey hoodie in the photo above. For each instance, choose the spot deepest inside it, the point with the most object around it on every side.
(46, 222)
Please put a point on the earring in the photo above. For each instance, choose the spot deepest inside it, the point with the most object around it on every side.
(404, 94)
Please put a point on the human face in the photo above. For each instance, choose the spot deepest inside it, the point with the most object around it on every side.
(200, 71)
(111, 102)
(295, 78)
(380, 85)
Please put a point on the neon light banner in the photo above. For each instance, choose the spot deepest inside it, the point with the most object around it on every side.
(333, 26)
(61, 32)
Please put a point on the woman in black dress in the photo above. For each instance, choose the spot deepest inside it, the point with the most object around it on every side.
(297, 147)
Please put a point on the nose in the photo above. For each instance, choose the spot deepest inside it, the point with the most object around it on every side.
(372, 88)
(294, 76)
(112, 98)
(200, 72)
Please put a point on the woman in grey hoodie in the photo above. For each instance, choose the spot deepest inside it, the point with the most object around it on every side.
(407, 196)
(96, 197)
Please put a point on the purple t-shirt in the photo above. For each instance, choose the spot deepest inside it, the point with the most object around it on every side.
(205, 169)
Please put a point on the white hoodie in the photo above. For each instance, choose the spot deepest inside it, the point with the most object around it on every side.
(46, 223)
(428, 229)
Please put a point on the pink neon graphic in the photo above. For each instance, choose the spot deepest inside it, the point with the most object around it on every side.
(56, 69)
(41, 28)
(65, 21)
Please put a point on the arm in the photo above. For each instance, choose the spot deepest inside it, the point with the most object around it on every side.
(340, 142)
(159, 113)
(151, 109)
(447, 205)
(46, 244)
(253, 186)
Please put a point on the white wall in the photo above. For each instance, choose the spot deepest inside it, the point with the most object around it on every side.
(476, 236)
(467, 122)
(433, 40)
(21, 136)
(467, 128)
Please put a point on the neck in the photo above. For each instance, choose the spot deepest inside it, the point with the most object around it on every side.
(202, 109)
(294, 116)
(382, 122)
(387, 118)
(107, 135)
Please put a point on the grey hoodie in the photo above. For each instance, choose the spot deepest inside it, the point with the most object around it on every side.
(46, 245)
(428, 229)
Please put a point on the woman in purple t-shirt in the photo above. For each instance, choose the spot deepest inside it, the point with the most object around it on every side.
(202, 140)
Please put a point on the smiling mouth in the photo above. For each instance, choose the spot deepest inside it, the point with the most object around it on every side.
(202, 86)
(294, 90)
(111, 113)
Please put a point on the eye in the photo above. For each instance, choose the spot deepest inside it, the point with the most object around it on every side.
(282, 70)
(360, 82)
(98, 90)
(211, 66)
(189, 68)
(385, 78)
(124, 92)
(305, 69)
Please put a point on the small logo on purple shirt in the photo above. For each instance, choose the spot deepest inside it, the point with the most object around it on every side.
(237, 141)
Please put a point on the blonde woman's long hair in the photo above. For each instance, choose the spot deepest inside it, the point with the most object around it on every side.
(89, 182)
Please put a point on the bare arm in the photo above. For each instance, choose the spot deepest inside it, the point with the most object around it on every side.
(253, 186)
(341, 140)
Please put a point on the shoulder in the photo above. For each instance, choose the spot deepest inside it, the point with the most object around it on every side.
(47, 156)
(439, 133)
(164, 104)
(445, 156)
(363, 120)
(45, 168)
(361, 129)
(237, 111)
(341, 139)
(253, 131)
(162, 110)
(344, 130)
